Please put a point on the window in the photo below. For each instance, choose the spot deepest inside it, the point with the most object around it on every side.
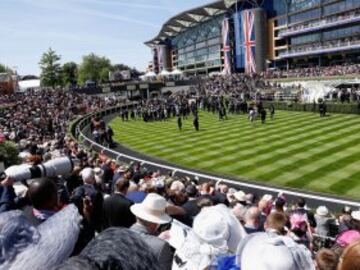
(305, 16)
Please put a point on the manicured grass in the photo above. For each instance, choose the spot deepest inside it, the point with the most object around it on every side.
(296, 149)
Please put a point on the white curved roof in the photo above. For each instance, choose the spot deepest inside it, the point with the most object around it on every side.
(188, 19)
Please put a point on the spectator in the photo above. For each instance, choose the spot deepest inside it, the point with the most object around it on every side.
(150, 214)
(268, 251)
(114, 249)
(252, 220)
(301, 210)
(326, 259)
(349, 236)
(324, 222)
(344, 219)
(43, 198)
(216, 232)
(116, 208)
(276, 223)
(350, 259)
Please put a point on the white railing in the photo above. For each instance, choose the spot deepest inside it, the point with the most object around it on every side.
(321, 49)
(319, 25)
(119, 156)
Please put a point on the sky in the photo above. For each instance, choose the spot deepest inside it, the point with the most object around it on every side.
(116, 29)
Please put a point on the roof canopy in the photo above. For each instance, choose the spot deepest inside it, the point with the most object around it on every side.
(188, 19)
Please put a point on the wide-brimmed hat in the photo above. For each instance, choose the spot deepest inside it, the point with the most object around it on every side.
(240, 196)
(322, 211)
(356, 215)
(152, 209)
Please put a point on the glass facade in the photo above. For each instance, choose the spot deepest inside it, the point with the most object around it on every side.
(200, 45)
(310, 38)
(296, 5)
(340, 6)
(345, 32)
(305, 16)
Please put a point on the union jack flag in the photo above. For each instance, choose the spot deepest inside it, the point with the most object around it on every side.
(160, 60)
(226, 46)
(249, 43)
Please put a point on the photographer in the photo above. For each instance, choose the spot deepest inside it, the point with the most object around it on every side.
(7, 195)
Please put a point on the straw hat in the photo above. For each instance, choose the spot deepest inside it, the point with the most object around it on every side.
(152, 209)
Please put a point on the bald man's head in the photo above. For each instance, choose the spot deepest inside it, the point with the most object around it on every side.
(43, 194)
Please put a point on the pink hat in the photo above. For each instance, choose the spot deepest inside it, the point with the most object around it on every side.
(347, 237)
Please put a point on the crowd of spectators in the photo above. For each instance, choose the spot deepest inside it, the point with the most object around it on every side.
(103, 214)
(335, 70)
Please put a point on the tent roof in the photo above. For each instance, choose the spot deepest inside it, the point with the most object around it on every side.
(176, 72)
(23, 85)
(165, 73)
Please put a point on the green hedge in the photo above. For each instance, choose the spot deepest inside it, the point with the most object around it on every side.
(309, 107)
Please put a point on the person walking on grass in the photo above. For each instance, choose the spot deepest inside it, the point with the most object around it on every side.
(179, 122)
(272, 112)
(196, 122)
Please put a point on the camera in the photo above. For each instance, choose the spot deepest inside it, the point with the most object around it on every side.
(52, 168)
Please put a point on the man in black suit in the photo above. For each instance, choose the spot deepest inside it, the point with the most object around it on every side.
(116, 208)
(196, 122)
(179, 122)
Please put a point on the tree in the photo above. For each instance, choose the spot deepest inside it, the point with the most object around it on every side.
(134, 72)
(69, 72)
(94, 68)
(6, 69)
(50, 69)
(8, 153)
(2, 68)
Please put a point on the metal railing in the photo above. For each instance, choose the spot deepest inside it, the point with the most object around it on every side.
(331, 47)
(82, 138)
(319, 25)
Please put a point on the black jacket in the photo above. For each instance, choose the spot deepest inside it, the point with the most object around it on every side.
(116, 210)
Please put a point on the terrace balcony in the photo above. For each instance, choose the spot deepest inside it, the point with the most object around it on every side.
(349, 18)
(329, 47)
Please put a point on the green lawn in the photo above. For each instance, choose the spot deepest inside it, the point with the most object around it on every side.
(297, 149)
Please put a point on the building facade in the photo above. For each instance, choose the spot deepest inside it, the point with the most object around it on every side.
(251, 36)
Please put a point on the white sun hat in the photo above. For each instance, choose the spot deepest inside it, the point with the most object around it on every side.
(322, 211)
(356, 215)
(152, 209)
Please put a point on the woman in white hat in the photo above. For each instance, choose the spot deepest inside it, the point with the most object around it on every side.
(216, 232)
(324, 221)
(150, 214)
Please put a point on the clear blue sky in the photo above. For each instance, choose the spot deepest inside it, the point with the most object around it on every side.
(73, 28)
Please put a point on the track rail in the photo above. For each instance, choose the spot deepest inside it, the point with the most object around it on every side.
(313, 199)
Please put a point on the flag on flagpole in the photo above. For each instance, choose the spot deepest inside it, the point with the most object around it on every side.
(249, 44)
(226, 46)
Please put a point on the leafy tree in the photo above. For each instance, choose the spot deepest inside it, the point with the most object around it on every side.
(133, 71)
(2, 68)
(8, 153)
(50, 69)
(94, 68)
(69, 73)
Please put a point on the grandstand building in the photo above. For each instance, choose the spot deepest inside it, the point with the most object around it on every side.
(251, 36)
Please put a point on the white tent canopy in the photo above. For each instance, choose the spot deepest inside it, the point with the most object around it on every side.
(25, 85)
(176, 72)
(164, 73)
(150, 74)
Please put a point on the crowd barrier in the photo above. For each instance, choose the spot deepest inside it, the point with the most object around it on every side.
(311, 107)
(80, 130)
